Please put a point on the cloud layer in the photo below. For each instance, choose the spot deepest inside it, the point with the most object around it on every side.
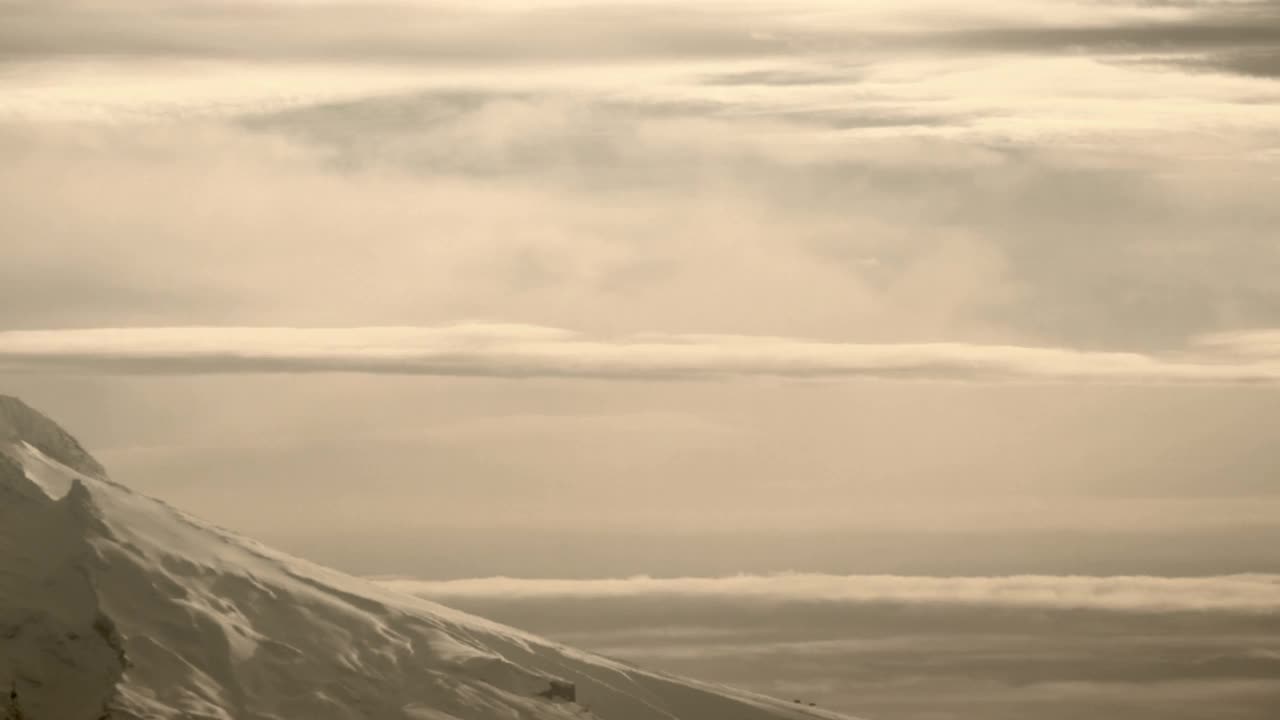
(1235, 593)
(973, 648)
(915, 647)
(517, 32)
(524, 351)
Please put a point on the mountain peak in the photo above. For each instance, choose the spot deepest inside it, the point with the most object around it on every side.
(19, 422)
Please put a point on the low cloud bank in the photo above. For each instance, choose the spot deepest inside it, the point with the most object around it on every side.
(525, 351)
(988, 648)
(1232, 593)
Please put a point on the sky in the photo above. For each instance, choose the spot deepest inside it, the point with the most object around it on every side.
(584, 289)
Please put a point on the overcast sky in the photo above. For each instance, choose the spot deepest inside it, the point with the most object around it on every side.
(959, 284)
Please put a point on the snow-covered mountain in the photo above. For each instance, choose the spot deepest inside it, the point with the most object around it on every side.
(116, 605)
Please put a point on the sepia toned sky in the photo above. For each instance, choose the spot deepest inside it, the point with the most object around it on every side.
(569, 288)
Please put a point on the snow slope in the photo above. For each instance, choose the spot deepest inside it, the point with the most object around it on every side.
(116, 605)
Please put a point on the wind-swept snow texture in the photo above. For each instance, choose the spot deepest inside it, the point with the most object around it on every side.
(115, 605)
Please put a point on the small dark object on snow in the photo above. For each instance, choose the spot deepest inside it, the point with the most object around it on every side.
(561, 690)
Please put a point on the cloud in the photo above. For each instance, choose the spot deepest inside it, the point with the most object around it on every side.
(529, 351)
(1258, 63)
(909, 651)
(937, 196)
(1249, 343)
(540, 428)
(518, 32)
(1210, 33)
(543, 212)
(994, 648)
(398, 32)
(522, 32)
(787, 77)
(1233, 593)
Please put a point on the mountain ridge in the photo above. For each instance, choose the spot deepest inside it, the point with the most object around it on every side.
(20, 421)
(117, 606)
